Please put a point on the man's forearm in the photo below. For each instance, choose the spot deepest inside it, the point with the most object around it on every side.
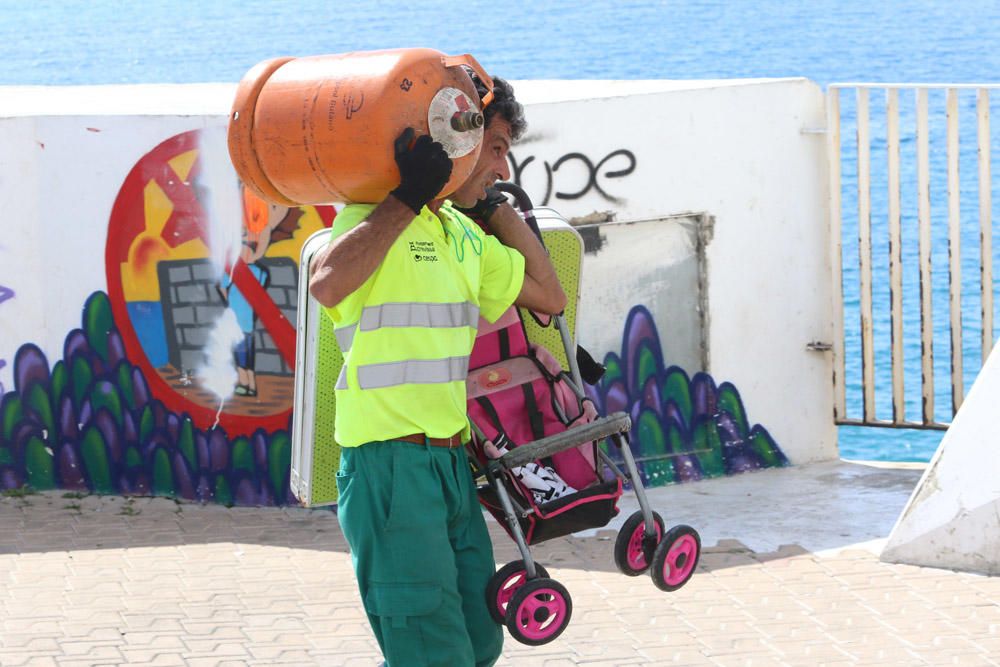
(345, 264)
(542, 289)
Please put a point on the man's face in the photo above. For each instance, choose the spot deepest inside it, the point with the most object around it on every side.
(491, 165)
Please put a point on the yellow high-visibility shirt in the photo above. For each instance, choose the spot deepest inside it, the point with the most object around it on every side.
(408, 331)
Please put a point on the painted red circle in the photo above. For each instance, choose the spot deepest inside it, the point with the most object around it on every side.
(187, 220)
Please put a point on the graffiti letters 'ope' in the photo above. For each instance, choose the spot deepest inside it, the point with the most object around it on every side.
(621, 163)
(6, 293)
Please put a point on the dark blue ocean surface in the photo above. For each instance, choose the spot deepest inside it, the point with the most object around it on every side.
(74, 42)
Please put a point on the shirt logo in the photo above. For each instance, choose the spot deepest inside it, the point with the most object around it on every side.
(423, 251)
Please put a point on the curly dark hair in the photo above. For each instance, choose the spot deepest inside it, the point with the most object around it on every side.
(504, 104)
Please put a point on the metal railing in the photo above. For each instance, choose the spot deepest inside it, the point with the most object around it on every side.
(924, 221)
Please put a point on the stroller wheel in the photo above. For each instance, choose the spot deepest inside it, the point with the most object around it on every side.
(539, 611)
(675, 558)
(502, 586)
(633, 550)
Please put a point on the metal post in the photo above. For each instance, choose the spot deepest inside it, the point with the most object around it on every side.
(865, 257)
(954, 253)
(836, 258)
(895, 256)
(924, 242)
(985, 220)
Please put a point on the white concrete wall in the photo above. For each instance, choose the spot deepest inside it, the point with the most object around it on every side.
(736, 151)
(59, 178)
(953, 517)
(733, 150)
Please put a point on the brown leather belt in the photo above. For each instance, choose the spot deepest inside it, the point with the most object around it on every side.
(421, 439)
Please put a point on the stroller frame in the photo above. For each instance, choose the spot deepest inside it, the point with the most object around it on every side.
(521, 595)
(615, 426)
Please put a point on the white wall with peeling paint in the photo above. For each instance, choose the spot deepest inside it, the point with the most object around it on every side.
(731, 150)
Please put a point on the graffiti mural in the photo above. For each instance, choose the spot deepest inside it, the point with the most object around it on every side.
(179, 380)
(619, 163)
(683, 428)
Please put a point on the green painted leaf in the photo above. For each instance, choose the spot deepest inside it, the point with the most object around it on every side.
(82, 378)
(647, 366)
(613, 366)
(223, 494)
(38, 463)
(163, 474)
(729, 401)
(146, 424)
(279, 462)
(60, 378)
(38, 401)
(185, 443)
(12, 414)
(677, 387)
(94, 452)
(767, 449)
(654, 443)
(97, 322)
(706, 437)
(105, 395)
(6, 458)
(242, 456)
(676, 440)
(125, 384)
(133, 458)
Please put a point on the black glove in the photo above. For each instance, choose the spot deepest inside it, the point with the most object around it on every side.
(485, 207)
(424, 169)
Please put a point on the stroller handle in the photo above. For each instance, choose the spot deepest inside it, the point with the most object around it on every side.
(523, 203)
(613, 424)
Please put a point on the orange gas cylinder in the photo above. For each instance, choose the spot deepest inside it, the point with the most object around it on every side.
(320, 129)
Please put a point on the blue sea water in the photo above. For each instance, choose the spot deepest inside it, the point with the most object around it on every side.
(75, 42)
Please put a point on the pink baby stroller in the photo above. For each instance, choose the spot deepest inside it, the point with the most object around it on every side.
(536, 445)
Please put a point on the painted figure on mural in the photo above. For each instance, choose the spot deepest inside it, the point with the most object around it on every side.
(263, 224)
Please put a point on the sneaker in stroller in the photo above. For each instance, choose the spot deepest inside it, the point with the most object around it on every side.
(536, 445)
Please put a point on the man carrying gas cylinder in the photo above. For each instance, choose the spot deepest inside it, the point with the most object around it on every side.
(405, 282)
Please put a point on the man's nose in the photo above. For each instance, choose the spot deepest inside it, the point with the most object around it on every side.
(503, 169)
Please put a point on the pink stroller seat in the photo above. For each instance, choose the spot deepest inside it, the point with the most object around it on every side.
(518, 394)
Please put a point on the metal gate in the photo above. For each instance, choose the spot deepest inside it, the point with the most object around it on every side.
(911, 171)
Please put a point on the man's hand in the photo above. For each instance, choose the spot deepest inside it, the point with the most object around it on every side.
(424, 168)
(541, 291)
(483, 209)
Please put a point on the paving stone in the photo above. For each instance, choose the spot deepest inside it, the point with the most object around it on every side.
(218, 586)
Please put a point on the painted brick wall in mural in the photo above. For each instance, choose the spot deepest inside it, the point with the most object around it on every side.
(192, 305)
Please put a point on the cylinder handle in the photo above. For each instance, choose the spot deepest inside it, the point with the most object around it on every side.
(467, 59)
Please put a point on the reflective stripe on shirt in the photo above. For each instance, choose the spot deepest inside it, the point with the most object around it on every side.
(413, 371)
(430, 315)
(345, 336)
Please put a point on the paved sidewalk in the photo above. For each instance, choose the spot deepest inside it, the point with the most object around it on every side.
(112, 581)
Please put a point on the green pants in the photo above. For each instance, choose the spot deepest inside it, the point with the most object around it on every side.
(421, 553)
